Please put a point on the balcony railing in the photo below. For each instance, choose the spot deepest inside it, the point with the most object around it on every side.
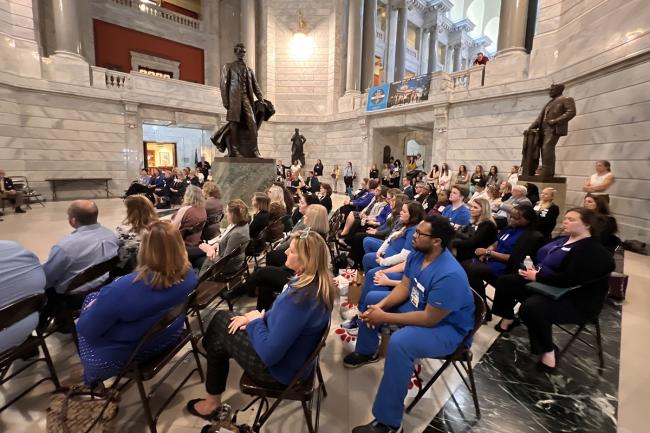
(161, 13)
(117, 80)
(411, 52)
(460, 80)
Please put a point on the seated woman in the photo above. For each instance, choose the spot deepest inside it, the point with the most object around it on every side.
(270, 279)
(609, 227)
(140, 185)
(514, 243)
(325, 196)
(214, 209)
(547, 213)
(389, 258)
(481, 232)
(272, 346)
(441, 204)
(304, 201)
(395, 200)
(139, 214)
(113, 320)
(574, 259)
(191, 213)
(235, 235)
(373, 215)
(161, 189)
(260, 203)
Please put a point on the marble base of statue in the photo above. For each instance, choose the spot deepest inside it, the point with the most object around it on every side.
(241, 177)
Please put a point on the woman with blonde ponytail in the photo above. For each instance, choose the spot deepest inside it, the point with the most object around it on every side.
(272, 346)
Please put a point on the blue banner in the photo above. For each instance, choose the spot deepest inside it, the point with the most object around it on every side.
(378, 97)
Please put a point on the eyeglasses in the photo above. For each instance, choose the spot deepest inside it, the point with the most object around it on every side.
(419, 233)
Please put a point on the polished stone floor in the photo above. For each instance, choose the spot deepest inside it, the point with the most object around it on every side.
(351, 391)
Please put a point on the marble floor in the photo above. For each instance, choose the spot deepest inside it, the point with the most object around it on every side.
(350, 391)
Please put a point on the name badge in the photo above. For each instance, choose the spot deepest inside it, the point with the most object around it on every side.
(418, 285)
(441, 208)
(415, 297)
(566, 249)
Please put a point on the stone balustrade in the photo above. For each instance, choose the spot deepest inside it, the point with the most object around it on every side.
(161, 13)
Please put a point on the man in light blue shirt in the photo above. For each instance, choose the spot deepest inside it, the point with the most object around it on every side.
(21, 275)
(89, 244)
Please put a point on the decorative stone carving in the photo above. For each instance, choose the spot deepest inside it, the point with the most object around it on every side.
(157, 63)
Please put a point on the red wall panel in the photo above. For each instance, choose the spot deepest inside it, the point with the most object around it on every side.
(180, 10)
(114, 43)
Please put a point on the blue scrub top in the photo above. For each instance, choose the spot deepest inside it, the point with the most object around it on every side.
(551, 255)
(442, 284)
(505, 244)
(404, 242)
(459, 216)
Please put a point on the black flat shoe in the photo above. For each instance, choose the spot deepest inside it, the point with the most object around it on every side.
(510, 327)
(191, 409)
(543, 368)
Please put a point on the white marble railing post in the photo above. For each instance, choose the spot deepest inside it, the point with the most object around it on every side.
(369, 34)
(353, 64)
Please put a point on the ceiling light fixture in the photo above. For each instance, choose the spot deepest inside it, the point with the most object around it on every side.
(302, 45)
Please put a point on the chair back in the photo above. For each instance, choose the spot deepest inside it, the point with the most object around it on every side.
(275, 230)
(311, 360)
(479, 315)
(257, 245)
(217, 268)
(196, 228)
(92, 273)
(18, 310)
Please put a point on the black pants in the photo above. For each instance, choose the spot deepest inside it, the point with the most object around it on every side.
(268, 281)
(477, 273)
(508, 290)
(540, 312)
(136, 188)
(276, 258)
(356, 247)
(221, 346)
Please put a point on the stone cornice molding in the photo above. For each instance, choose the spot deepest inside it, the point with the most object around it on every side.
(464, 25)
(444, 23)
(441, 6)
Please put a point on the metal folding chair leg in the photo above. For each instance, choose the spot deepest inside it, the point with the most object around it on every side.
(144, 398)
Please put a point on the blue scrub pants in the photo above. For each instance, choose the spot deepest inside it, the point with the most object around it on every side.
(405, 346)
(369, 285)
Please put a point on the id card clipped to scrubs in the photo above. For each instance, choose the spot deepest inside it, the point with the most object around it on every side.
(417, 295)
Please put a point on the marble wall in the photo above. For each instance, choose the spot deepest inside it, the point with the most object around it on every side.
(19, 53)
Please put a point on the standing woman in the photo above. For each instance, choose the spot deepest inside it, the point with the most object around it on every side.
(271, 347)
(336, 174)
(547, 213)
(601, 180)
(113, 320)
(477, 176)
(385, 175)
(493, 176)
(434, 175)
(318, 168)
(396, 173)
(462, 177)
(348, 178)
(374, 172)
(445, 177)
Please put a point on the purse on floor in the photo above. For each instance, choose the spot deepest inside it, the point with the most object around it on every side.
(82, 410)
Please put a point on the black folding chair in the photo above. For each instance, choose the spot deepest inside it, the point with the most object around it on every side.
(462, 355)
(297, 390)
(141, 372)
(10, 315)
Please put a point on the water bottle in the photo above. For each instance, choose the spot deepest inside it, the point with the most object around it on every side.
(528, 263)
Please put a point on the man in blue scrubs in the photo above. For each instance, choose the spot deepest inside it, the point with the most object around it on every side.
(434, 308)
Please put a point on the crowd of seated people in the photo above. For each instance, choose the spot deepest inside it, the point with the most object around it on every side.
(421, 255)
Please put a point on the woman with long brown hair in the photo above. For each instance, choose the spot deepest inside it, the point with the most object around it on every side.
(272, 346)
(139, 214)
(113, 320)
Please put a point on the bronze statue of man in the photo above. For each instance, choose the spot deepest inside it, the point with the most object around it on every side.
(297, 151)
(551, 124)
(239, 88)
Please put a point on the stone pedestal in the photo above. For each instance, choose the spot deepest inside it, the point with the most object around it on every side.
(507, 67)
(66, 68)
(241, 177)
(559, 184)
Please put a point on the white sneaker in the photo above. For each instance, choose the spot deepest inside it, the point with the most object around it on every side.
(350, 313)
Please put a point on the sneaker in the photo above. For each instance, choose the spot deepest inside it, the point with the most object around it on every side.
(349, 313)
(375, 427)
(353, 323)
(355, 360)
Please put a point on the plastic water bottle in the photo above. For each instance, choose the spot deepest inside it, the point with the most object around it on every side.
(528, 263)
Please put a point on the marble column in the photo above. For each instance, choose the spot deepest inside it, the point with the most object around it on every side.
(424, 51)
(67, 64)
(400, 42)
(369, 35)
(389, 43)
(512, 26)
(210, 21)
(432, 60)
(247, 30)
(66, 27)
(353, 65)
(457, 55)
